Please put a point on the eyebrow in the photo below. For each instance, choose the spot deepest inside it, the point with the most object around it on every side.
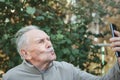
(41, 38)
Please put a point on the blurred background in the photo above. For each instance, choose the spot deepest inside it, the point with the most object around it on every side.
(79, 30)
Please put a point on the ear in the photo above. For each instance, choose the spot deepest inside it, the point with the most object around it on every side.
(26, 55)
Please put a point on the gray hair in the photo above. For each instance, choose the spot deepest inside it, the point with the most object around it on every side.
(20, 37)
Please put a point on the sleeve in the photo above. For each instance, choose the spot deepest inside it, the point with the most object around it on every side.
(82, 75)
(3, 78)
(113, 74)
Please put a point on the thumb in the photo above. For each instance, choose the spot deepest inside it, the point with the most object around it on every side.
(117, 33)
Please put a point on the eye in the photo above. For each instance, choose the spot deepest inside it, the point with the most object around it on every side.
(41, 41)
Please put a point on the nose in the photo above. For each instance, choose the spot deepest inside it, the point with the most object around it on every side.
(48, 44)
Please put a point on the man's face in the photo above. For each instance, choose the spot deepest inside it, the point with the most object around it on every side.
(39, 48)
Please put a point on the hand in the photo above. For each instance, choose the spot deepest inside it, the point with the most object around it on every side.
(115, 41)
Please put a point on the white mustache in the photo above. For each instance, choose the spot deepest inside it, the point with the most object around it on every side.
(51, 49)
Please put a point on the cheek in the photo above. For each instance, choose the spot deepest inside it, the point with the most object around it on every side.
(38, 49)
(39, 57)
(40, 52)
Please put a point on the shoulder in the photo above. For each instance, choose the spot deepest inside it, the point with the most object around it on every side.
(12, 72)
(66, 68)
(63, 64)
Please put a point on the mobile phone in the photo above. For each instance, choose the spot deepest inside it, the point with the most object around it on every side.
(112, 28)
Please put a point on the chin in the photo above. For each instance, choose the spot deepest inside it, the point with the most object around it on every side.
(54, 59)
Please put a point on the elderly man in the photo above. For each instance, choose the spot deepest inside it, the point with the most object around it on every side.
(36, 50)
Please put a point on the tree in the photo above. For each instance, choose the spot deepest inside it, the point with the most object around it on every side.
(71, 40)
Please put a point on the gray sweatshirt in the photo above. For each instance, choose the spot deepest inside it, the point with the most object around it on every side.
(57, 71)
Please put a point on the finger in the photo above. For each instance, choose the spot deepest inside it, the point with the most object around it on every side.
(114, 44)
(116, 48)
(117, 33)
(113, 39)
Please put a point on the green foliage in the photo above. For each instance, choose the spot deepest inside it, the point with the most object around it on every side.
(71, 41)
(30, 10)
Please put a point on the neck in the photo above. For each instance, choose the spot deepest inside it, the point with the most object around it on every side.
(43, 66)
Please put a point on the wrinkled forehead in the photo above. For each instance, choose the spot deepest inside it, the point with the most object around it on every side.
(36, 34)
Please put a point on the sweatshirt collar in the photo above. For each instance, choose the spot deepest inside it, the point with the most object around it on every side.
(29, 65)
